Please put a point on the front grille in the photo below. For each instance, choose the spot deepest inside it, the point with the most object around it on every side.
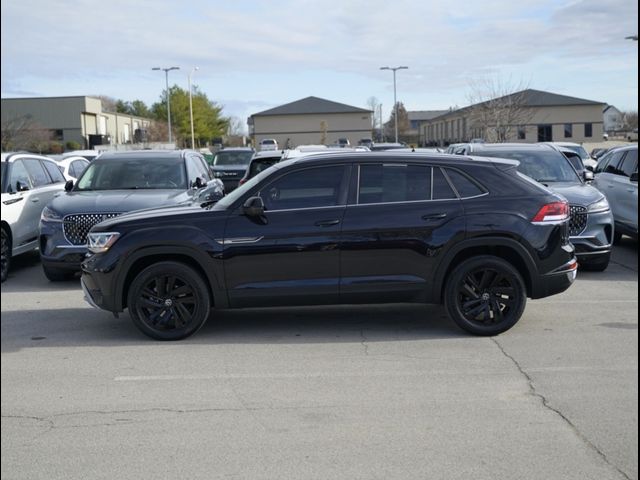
(76, 227)
(578, 220)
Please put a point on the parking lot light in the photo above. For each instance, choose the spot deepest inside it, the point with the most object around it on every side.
(395, 101)
(166, 75)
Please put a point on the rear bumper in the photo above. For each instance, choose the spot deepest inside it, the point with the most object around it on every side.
(556, 281)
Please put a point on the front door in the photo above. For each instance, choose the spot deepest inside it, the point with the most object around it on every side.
(291, 255)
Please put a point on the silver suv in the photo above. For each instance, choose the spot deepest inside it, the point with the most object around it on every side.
(616, 176)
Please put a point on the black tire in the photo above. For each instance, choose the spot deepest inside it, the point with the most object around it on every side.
(617, 237)
(6, 254)
(485, 295)
(169, 301)
(599, 264)
(58, 274)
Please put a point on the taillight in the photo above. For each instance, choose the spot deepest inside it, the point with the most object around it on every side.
(242, 181)
(552, 213)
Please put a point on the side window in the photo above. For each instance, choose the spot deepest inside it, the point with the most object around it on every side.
(441, 188)
(18, 174)
(204, 168)
(77, 167)
(54, 172)
(309, 188)
(614, 165)
(465, 186)
(630, 163)
(387, 183)
(39, 177)
(196, 168)
(609, 159)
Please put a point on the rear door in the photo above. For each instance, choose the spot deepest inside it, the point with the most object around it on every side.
(625, 193)
(398, 221)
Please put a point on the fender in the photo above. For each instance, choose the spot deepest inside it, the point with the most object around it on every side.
(485, 241)
(192, 243)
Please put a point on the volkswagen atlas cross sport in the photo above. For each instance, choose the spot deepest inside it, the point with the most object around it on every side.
(115, 183)
(341, 228)
(591, 226)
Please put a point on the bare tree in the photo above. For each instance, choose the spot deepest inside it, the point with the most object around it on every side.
(374, 104)
(324, 128)
(236, 127)
(630, 119)
(498, 108)
(22, 133)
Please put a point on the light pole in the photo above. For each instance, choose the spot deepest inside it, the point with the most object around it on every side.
(193, 144)
(395, 102)
(166, 76)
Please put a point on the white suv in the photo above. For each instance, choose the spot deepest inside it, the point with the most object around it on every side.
(268, 144)
(29, 182)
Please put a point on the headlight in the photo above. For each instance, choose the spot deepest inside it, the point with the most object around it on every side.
(50, 215)
(100, 242)
(600, 206)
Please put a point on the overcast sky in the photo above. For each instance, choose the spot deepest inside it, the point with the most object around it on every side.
(256, 55)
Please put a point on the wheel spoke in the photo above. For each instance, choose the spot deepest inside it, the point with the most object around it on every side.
(474, 312)
(161, 286)
(188, 299)
(508, 291)
(148, 303)
(170, 285)
(487, 278)
(473, 293)
(497, 311)
(183, 314)
(181, 290)
(470, 304)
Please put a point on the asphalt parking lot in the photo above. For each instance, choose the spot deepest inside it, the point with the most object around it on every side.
(376, 392)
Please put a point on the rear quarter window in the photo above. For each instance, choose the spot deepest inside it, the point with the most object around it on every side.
(465, 186)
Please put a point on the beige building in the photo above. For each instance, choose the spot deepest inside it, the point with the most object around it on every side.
(311, 120)
(528, 116)
(78, 119)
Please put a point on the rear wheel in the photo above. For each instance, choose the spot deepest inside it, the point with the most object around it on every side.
(168, 301)
(485, 295)
(6, 253)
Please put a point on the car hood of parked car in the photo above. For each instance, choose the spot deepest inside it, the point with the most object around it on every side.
(157, 215)
(576, 193)
(115, 201)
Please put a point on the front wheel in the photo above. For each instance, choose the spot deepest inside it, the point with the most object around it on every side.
(168, 301)
(6, 254)
(485, 295)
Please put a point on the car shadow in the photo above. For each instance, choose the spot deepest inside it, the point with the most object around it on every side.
(282, 325)
(28, 265)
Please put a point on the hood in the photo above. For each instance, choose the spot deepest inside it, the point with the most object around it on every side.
(171, 213)
(115, 201)
(576, 193)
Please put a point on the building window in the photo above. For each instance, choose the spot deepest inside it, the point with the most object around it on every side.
(57, 135)
(522, 133)
(545, 133)
(568, 130)
(588, 130)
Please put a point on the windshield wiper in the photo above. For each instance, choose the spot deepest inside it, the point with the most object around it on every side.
(545, 180)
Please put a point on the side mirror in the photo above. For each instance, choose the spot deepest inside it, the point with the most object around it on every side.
(588, 176)
(634, 177)
(253, 207)
(590, 168)
(21, 186)
(68, 185)
(198, 183)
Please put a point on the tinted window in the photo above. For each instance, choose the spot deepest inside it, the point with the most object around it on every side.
(611, 157)
(259, 165)
(315, 187)
(614, 163)
(629, 163)
(77, 167)
(54, 172)
(197, 168)
(224, 157)
(36, 171)
(18, 174)
(441, 188)
(465, 187)
(394, 183)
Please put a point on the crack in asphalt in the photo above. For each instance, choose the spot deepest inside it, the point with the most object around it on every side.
(545, 404)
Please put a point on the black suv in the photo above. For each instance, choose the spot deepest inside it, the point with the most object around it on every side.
(115, 183)
(341, 228)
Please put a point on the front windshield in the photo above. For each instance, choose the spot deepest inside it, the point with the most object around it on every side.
(225, 158)
(133, 174)
(542, 166)
(579, 150)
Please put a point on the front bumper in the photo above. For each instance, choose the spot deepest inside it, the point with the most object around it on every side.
(56, 251)
(595, 241)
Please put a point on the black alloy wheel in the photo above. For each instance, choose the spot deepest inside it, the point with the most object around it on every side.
(485, 295)
(169, 301)
(6, 254)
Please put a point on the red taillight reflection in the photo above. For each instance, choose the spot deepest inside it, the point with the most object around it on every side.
(242, 181)
(552, 212)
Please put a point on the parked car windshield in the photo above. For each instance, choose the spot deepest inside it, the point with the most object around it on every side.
(134, 174)
(541, 165)
(224, 158)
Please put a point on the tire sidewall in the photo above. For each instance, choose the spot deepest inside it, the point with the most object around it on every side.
(7, 239)
(453, 308)
(186, 274)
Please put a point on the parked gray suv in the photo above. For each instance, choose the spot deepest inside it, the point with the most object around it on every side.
(591, 225)
(616, 176)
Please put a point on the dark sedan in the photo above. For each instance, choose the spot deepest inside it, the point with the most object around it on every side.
(113, 184)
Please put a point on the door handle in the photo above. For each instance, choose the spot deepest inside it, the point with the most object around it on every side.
(326, 223)
(35, 199)
(436, 216)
